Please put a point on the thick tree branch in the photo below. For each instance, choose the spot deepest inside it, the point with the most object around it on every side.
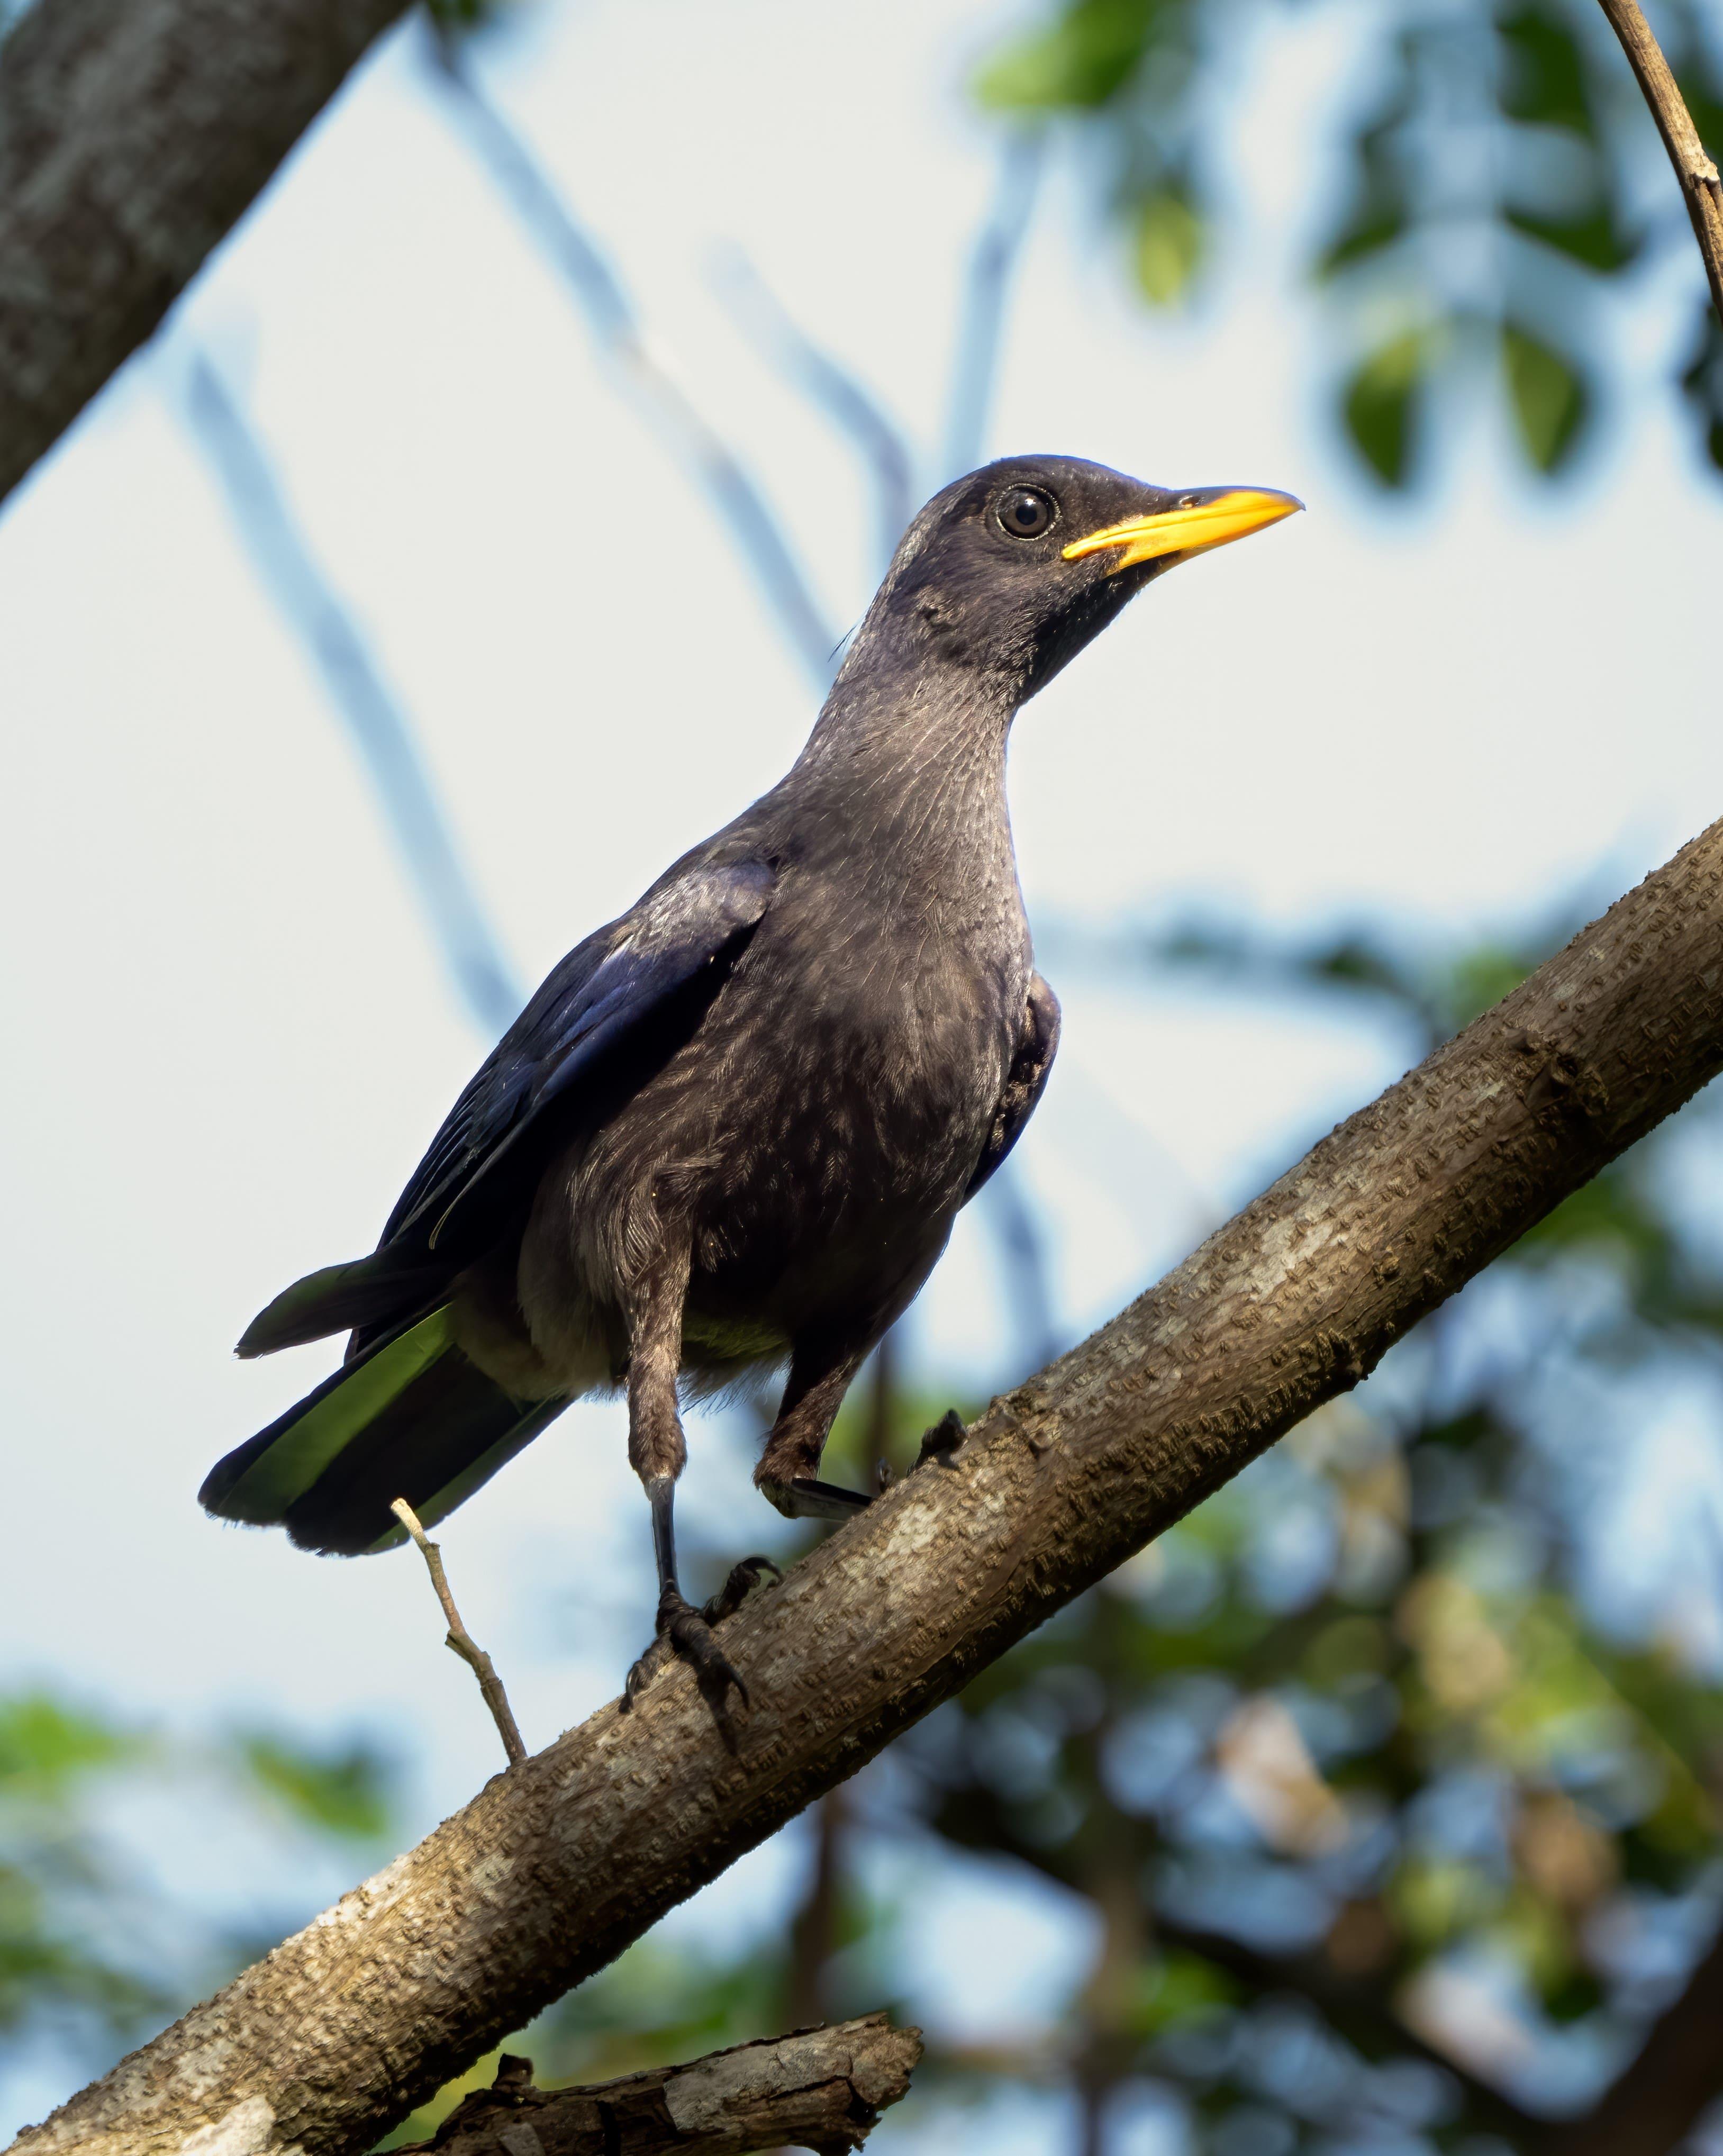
(556, 1867)
(133, 135)
(1701, 190)
(822, 2089)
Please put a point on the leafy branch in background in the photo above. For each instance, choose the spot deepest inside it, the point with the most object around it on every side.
(90, 1950)
(1496, 164)
(1393, 1823)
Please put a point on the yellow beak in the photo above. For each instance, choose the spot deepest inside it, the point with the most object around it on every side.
(1212, 518)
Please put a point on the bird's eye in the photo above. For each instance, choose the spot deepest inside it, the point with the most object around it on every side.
(1026, 512)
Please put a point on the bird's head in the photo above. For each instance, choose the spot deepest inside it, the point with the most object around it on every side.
(1008, 572)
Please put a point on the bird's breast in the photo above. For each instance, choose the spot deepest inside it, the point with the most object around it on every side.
(861, 1100)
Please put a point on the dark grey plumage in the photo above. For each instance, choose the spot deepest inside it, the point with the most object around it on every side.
(734, 1127)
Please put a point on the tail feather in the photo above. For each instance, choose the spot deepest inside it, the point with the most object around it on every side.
(381, 1290)
(411, 1417)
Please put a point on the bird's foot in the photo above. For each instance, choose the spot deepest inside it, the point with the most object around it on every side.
(943, 1440)
(686, 1632)
(804, 1498)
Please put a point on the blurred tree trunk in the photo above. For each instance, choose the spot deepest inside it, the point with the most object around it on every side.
(813, 1930)
(133, 135)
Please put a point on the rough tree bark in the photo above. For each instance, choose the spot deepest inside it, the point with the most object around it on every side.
(822, 2089)
(133, 135)
(558, 1864)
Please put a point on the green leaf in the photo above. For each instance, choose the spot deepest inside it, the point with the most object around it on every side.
(1595, 237)
(46, 1748)
(344, 1792)
(1702, 382)
(1382, 405)
(1376, 225)
(1167, 245)
(1543, 77)
(1083, 59)
(1379, 212)
(1380, 208)
(1550, 399)
(1178, 1987)
(1481, 977)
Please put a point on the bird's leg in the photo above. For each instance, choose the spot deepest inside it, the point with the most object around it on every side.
(788, 1473)
(657, 1452)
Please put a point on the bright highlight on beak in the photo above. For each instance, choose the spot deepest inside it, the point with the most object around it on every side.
(1212, 518)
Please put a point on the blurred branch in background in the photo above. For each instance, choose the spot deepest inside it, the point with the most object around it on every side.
(378, 723)
(987, 291)
(819, 2089)
(832, 387)
(641, 368)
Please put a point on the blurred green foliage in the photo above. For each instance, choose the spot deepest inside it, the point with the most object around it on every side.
(1363, 1793)
(1502, 178)
(93, 1952)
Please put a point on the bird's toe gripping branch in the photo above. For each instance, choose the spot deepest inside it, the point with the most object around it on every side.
(943, 1440)
(685, 1633)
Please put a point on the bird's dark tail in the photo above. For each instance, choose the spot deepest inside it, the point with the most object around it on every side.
(372, 1292)
(410, 1416)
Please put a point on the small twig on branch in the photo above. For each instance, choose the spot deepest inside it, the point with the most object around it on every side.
(1701, 189)
(822, 2089)
(460, 1641)
(374, 717)
(556, 1867)
(615, 324)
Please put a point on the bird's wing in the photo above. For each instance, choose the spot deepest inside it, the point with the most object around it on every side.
(618, 991)
(1036, 1048)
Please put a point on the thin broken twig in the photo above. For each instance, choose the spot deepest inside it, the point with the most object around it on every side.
(460, 1641)
(1701, 188)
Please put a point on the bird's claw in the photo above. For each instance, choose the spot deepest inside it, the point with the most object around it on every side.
(686, 1632)
(943, 1440)
(744, 1578)
(804, 1497)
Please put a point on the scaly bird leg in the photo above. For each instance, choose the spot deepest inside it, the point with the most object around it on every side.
(656, 1450)
(787, 1475)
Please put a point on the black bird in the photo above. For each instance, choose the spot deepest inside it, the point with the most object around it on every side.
(733, 1128)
